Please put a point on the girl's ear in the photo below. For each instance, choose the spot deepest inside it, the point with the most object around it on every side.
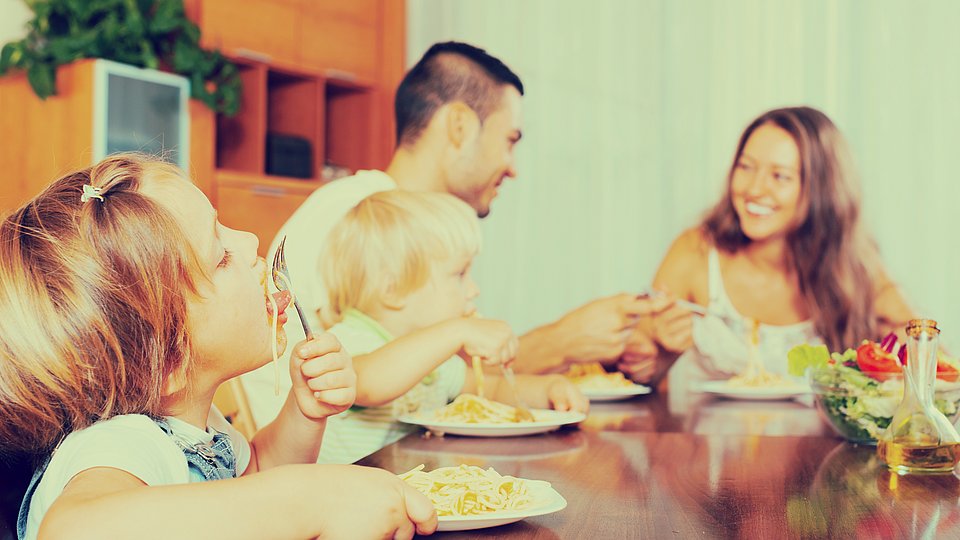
(175, 383)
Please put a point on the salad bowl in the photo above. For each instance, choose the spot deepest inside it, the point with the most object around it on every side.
(855, 399)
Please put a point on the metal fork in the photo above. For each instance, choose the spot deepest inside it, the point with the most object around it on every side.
(284, 284)
(523, 413)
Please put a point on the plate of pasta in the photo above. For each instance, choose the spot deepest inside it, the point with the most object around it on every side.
(772, 388)
(756, 382)
(475, 416)
(469, 497)
(600, 385)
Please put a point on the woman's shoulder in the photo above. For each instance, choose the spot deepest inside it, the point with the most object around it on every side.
(684, 268)
(691, 246)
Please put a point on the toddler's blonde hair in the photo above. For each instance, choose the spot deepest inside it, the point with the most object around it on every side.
(391, 241)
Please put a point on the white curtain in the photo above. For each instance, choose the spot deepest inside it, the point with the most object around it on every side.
(632, 113)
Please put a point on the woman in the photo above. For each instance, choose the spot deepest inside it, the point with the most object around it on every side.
(782, 259)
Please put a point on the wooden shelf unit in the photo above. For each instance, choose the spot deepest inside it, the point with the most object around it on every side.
(322, 70)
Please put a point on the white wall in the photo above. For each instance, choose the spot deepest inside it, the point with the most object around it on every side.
(633, 109)
(13, 15)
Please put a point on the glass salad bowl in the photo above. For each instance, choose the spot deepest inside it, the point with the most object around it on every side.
(859, 407)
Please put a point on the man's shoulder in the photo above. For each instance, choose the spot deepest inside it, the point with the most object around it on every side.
(326, 205)
(352, 188)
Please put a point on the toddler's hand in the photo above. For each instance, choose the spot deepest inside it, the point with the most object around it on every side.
(491, 340)
(563, 395)
(324, 382)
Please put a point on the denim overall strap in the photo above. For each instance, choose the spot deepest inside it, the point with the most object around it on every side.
(214, 461)
(27, 497)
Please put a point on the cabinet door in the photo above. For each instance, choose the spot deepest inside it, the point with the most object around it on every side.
(256, 28)
(339, 41)
(260, 209)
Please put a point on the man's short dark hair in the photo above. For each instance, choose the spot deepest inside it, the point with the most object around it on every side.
(448, 72)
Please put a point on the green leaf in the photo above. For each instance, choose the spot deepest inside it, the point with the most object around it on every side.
(802, 357)
(43, 79)
(10, 55)
(147, 33)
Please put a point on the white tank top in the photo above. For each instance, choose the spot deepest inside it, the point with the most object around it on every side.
(721, 339)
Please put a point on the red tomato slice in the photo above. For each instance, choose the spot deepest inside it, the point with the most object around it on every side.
(874, 362)
(947, 372)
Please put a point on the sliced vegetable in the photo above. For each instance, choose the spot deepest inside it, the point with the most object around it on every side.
(889, 342)
(875, 362)
(947, 368)
(802, 357)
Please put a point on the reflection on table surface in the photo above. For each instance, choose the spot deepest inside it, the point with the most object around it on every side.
(716, 469)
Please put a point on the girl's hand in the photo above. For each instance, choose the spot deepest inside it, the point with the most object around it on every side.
(373, 503)
(491, 340)
(324, 382)
(563, 395)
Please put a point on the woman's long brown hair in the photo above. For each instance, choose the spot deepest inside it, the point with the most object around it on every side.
(828, 249)
(92, 303)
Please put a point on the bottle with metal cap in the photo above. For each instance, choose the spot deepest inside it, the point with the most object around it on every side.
(920, 439)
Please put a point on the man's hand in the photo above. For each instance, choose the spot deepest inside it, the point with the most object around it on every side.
(600, 330)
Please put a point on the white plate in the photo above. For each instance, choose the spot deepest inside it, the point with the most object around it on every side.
(768, 393)
(546, 501)
(615, 394)
(547, 420)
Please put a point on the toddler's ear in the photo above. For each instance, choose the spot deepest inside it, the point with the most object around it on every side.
(391, 299)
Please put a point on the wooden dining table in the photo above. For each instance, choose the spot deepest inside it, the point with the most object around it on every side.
(687, 465)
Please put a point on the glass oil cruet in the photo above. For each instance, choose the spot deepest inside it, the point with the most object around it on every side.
(920, 439)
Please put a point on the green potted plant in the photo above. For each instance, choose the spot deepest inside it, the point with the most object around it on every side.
(146, 33)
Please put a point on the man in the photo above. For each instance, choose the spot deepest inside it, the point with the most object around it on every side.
(458, 115)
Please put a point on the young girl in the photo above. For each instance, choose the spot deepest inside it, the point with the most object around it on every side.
(397, 271)
(124, 304)
(784, 251)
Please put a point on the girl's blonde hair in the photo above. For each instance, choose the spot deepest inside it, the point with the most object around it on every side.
(390, 242)
(92, 302)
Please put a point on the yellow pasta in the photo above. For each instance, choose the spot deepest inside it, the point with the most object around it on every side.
(467, 490)
(756, 375)
(471, 409)
(592, 376)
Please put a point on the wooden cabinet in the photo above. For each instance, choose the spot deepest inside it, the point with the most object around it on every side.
(43, 139)
(267, 29)
(323, 71)
(245, 202)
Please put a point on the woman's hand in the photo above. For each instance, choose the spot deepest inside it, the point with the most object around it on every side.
(639, 360)
(673, 328)
(491, 340)
(324, 382)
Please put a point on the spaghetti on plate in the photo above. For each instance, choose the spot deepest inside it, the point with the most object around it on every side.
(592, 376)
(467, 490)
(472, 409)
